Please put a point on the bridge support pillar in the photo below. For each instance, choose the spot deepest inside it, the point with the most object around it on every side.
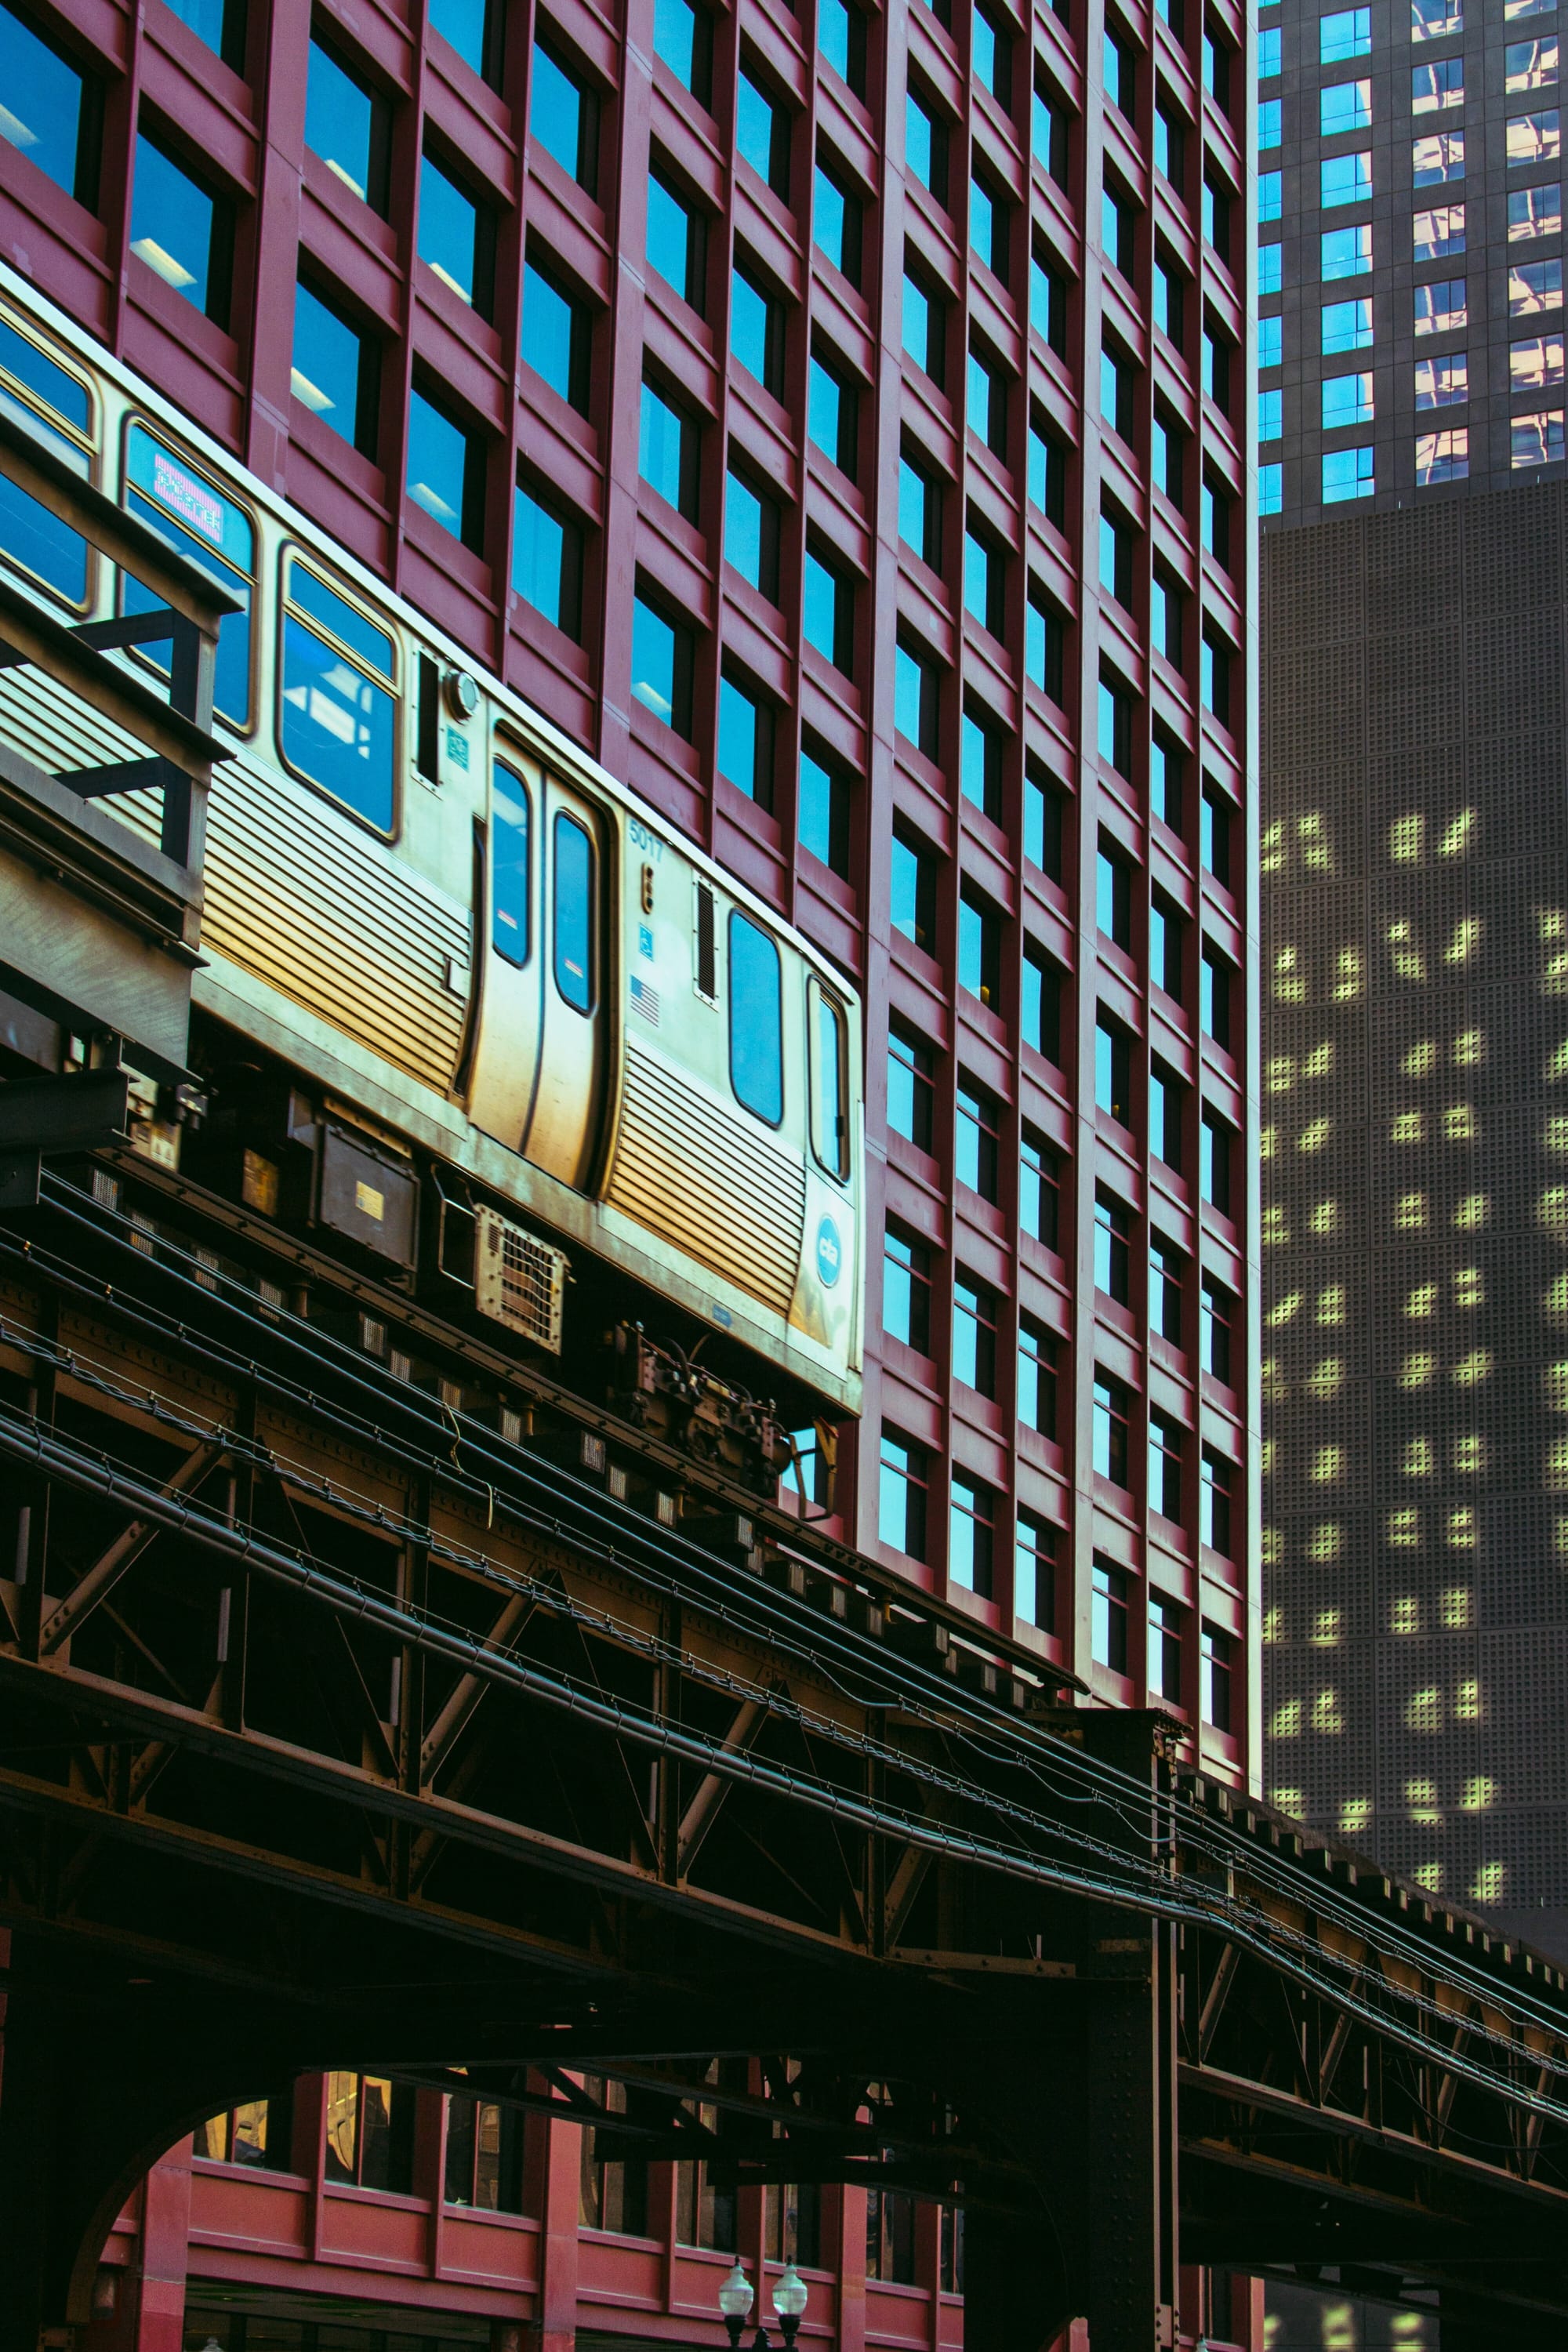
(1129, 2118)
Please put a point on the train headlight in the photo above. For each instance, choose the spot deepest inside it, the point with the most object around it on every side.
(462, 693)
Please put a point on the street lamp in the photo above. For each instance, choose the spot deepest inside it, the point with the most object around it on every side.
(736, 2297)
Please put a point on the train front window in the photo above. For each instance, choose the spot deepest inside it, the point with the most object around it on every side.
(214, 533)
(829, 1083)
(573, 913)
(55, 408)
(756, 1021)
(510, 873)
(338, 720)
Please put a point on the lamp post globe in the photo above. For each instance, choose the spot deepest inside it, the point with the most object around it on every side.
(736, 2296)
(790, 2298)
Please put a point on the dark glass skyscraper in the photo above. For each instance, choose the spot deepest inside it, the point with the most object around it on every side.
(1414, 893)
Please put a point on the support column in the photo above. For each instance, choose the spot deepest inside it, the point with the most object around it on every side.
(1130, 2120)
(162, 2253)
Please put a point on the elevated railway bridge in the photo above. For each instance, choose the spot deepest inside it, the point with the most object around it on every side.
(368, 1699)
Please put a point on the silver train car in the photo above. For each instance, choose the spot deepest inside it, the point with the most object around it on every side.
(493, 981)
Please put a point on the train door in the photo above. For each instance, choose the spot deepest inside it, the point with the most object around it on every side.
(504, 1075)
(564, 1128)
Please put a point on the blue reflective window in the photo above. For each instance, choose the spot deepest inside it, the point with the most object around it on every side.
(511, 902)
(1268, 113)
(561, 118)
(445, 470)
(179, 231)
(547, 563)
(675, 40)
(1271, 489)
(465, 24)
(1271, 333)
(453, 236)
(674, 241)
(331, 371)
(211, 531)
(555, 338)
(1345, 179)
(339, 724)
(31, 537)
(1269, 44)
(756, 1020)
(572, 913)
(220, 24)
(1347, 326)
(1270, 268)
(756, 332)
(1271, 196)
(45, 118)
(1347, 474)
(347, 127)
(1346, 34)
(1270, 415)
(1346, 252)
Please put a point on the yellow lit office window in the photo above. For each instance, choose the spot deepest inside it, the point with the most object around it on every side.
(1405, 838)
(1274, 1624)
(1407, 1126)
(1458, 1608)
(1327, 1628)
(1325, 1379)
(1487, 1884)
(1421, 1060)
(1289, 981)
(1470, 1286)
(1323, 1223)
(1316, 856)
(1405, 950)
(1354, 1816)
(1421, 1796)
(1405, 1614)
(1467, 938)
(1469, 1454)
(1404, 1528)
(1456, 841)
(1327, 1716)
(1410, 1212)
(1347, 976)
(1424, 1710)
(1332, 1304)
(1467, 1701)
(1472, 1213)
(1286, 1723)
(1323, 1544)
(1417, 1371)
(1461, 1529)
(1480, 1793)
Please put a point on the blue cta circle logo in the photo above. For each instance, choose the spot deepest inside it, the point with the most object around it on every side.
(829, 1252)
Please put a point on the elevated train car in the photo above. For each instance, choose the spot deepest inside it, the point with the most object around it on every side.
(466, 1006)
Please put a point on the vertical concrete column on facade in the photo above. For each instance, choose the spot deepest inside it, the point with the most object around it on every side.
(163, 2251)
(555, 2323)
(851, 2242)
(282, 170)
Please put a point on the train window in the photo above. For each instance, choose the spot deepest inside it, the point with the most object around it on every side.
(55, 408)
(756, 1021)
(707, 978)
(573, 913)
(509, 864)
(338, 714)
(829, 1082)
(183, 507)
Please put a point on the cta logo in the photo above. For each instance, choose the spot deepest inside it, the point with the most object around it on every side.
(829, 1252)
